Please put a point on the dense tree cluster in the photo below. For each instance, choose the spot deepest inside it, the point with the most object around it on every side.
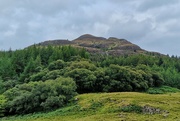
(45, 78)
(39, 95)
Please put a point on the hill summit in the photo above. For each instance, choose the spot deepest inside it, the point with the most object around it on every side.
(89, 36)
(99, 45)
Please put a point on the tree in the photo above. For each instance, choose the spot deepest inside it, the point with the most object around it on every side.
(102, 81)
(59, 64)
(6, 68)
(32, 67)
(84, 79)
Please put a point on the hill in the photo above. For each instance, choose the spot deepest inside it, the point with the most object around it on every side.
(99, 45)
(46, 77)
(121, 106)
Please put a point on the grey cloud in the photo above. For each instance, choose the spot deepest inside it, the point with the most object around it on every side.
(144, 22)
(132, 29)
(53, 7)
(151, 4)
(165, 42)
(168, 13)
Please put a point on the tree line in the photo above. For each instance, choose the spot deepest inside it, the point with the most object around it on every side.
(45, 78)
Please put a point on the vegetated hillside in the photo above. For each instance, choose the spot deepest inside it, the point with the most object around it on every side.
(48, 75)
(100, 45)
(121, 106)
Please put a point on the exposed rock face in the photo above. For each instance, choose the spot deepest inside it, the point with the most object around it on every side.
(99, 45)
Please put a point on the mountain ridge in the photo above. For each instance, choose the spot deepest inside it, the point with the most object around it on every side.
(100, 45)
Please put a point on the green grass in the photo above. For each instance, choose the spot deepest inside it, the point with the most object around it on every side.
(122, 106)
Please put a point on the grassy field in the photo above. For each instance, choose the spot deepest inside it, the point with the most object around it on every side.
(122, 106)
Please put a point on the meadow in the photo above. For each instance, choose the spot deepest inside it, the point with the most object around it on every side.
(119, 106)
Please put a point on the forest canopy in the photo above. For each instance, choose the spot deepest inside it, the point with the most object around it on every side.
(45, 78)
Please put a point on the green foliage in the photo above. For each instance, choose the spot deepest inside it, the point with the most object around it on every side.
(52, 75)
(5, 85)
(132, 108)
(39, 96)
(95, 105)
(6, 68)
(32, 67)
(84, 79)
(131, 79)
(2, 102)
(102, 80)
(82, 64)
(162, 90)
(39, 76)
(24, 74)
(59, 64)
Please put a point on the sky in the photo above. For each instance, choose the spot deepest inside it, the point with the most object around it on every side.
(154, 25)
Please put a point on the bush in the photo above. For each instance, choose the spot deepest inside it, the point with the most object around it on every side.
(39, 96)
(154, 91)
(132, 108)
(162, 90)
(95, 105)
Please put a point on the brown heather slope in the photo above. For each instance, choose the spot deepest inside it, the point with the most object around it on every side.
(100, 45)
(111, 46)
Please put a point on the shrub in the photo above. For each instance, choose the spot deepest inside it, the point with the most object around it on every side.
(154, 91)
(162, 90)
(132, 108)
(95, 104)
(39, 96)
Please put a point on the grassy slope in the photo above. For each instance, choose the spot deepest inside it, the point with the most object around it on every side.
(106, 107)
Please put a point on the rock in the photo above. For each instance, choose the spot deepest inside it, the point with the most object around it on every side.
(76, 99)
(151, 110)
(165, 115)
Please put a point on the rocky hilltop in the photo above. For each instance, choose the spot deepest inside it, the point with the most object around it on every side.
(101, 45)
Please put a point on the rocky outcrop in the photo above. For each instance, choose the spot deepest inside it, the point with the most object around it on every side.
(110, 46)
(151, 110)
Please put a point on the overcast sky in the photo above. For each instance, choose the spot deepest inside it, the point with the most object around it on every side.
(152, 24)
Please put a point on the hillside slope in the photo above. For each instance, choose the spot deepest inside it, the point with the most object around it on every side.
(99, 45)
(121, 106)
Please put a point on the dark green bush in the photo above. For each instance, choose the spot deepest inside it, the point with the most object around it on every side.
(39, 96)
(132, 108)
